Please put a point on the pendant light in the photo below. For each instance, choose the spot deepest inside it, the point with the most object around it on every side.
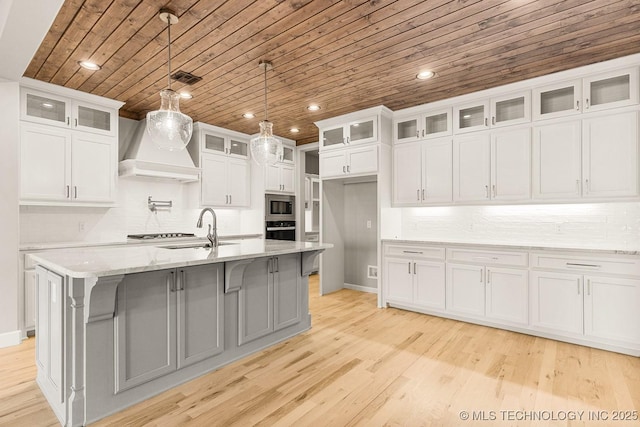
(265, 148)
(169, 128)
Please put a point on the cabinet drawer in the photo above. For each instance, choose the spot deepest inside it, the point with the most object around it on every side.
(518, 259)
(610, 265)
(415, 251)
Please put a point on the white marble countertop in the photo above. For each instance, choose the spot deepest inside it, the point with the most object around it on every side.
(36, 246)
(109, 261)
(527, 246)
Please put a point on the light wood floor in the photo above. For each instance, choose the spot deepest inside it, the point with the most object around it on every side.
(360, 365)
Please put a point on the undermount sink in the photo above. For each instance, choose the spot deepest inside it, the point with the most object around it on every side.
(194, 245)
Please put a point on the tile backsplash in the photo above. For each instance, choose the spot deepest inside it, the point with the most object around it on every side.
(43, 224)
(597, 225)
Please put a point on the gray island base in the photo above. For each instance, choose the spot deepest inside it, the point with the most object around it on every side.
(117, 326)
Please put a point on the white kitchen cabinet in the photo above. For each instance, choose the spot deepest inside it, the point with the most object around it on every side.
(219, 143)
(470, 117)
(556, 161)
(471, 167)
(432, 124)
(422, 172)
(65, 112)
(414, 276)
(511, 109)
(556, 302)
(166, 320)
(358, 131)
(224, 182)
(270, 297)
(611, 309)
(349, 162)
(507, 295)
(610, 155)
(279, 178)
(557, 100)
(63, 167)
(465, 289)
(610, 90)
(511, 164)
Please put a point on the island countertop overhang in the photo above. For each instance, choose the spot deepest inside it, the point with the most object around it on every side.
(100, 262)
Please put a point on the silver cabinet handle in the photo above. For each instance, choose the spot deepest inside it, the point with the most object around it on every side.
(226, 199)
(417, 133)
(348, 142)
(67, 120)
(68, 191)
(344, 169)
(76, 123)
(412, 252)
(493, 120)
(577, 185)
(587, 186)
(181, 280)
(75, 191)
(230, 198)
(589, 287)
(409, 265)
(171, 279)
(578, 280)
(488, 276)
(423, 133)
(486, 189)
(277, 264)
(418, 191)
(349, 168)
(423, 194)
(577, 105)
(481, 276)
(586, 103)
(493, 188)
(414, 268)
(581, 265)
(486, 121)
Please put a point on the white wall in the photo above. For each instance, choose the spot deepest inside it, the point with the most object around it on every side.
(9, 218)
(597, 225)
(360, 241)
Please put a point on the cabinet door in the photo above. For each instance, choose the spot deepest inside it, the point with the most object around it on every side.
(610, 155)
(45, 108)
(214, 180)
(287, 177)
(437, 171)
(94, 119)
(471, 117)
(238, 148)
(507, 295)
(511, 164)
(611, 90)
(557, 100)
(255, 301)
(407, 174)
(611, 309)
(273, 181)
(556, 302)
(436, 123)
(333, 164)
(465, 289)
(333, 137)
(214, 144)
(399, 280)
(145, 327)
(362, 131)
(429, 284)
(287, 305)
(556, 161)
(511, 109)
(45, 157)
(93, 168)
(471, 167)
(238, 180)
(407, 129)
(287, 155)
(200, 313)
(362, 160)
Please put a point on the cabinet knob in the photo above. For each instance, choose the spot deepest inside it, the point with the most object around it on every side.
(577, 105)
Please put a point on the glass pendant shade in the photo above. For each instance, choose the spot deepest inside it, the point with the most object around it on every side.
(265, 148)
(169, 128)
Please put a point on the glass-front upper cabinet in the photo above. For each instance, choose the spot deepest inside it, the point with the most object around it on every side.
(355, 132)
(406, 129)
(45, 108)
(511, 109)
(222, 144)
(471, 117)
(214, 144)
(333, 136)
(556, 100)
(610, 90)
(287, 154)
(238, 147)
(433, 124)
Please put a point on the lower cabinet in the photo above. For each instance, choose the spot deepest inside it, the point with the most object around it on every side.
(270, 298)
(166, 320)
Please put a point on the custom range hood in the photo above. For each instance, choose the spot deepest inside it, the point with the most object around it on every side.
(144, 159)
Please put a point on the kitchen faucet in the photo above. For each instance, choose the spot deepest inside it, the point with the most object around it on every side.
(213, 237)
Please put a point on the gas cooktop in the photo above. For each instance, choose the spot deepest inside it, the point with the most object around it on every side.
(149, 236)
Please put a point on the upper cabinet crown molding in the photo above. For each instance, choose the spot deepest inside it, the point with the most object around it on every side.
(26, 82)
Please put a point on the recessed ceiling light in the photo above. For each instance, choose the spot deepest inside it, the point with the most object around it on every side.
(424, 75)
(89, 65)
(185, 95)
(248, 115)
(294, 130)
(313, 107)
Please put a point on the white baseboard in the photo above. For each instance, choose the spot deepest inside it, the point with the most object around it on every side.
(361, 288)
(9, 339)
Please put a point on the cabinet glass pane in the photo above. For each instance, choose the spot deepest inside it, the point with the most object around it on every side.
(557, 100)
(287, 154)
(470, 117)
(239, 148)
(333, 136)
(359, 131)
(214, 143)
(92, 118)
(610, 90)
(510, 109)
(407, 129)
(435, 124)
(46, 108)
(315, 188)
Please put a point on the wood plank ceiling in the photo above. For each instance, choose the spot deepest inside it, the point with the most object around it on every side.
(344, 55)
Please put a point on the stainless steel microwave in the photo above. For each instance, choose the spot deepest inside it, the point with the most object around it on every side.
(280, 207)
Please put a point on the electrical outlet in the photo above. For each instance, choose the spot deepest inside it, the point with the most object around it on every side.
(369, 223)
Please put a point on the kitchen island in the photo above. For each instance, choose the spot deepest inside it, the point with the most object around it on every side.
(117, 325)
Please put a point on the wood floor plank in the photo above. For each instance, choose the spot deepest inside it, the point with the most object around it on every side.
(363, 366)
